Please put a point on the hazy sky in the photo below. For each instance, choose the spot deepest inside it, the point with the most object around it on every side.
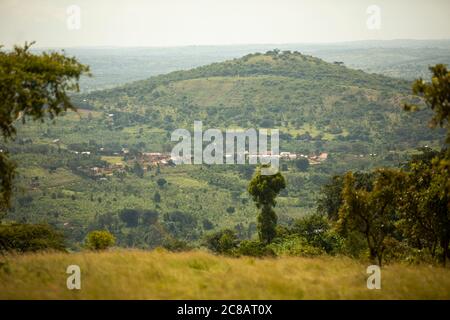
(211, 22)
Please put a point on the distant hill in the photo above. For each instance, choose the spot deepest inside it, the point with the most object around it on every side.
(112, 66)
(302, 95)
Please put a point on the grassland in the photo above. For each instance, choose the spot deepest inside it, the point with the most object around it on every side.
(157, 274)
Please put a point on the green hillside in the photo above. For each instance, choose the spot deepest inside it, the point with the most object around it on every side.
(355, 117)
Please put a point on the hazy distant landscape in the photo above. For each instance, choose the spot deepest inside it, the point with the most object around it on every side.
(112, 66)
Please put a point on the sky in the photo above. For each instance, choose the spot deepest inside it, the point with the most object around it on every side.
(74, 23)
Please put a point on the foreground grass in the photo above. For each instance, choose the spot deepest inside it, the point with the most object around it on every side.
(133, 274)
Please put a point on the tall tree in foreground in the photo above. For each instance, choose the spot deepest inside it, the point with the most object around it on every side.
(424, 206)
(436, 95)
(427, 205)
(32, 86)
(264, 189)
(372, 213)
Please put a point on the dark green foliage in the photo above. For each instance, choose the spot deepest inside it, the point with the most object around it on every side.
(316, 230)
(436, 95)
(32, 86)
(264, 189)
(161, 182)
(223, 242)
(302, 164)
(138, 170)
(267, 222)
(130, 217)
(30, 237)
(254, 248)
(176, 245)
(181, 225)
(207, 224)
(149, 217)
(330, 199)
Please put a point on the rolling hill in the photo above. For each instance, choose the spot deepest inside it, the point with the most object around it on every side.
(319, 107)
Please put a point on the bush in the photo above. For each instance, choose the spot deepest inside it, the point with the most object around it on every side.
(175, 245)
(254, 248)
(294, 246)
(99, 240)
(223, 241)
(30, 237)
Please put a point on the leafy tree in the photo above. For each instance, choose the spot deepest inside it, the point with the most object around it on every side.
(130, 217)
(180, 224)
(149, 217)
(315, 229)
(302, 164)
(372, 213)
(138, 170)
(436, 95)
(424, 207)
(330, 199)
(32, 86)
(99, 240)
(264, 189)
(30, 237)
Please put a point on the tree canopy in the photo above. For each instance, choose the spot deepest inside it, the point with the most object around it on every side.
(32, 86)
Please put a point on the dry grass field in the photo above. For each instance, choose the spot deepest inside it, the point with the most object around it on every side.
(134, 274)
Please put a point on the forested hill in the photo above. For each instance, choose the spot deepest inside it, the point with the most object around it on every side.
(302, 95)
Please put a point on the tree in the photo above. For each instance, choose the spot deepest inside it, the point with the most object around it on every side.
(302, 164)
(315, 229)
(99, 240)
(264, 189)
(161, 182)
(32, 86)
(149, 217)
(157, 197)
(138, 170)
(436, 95)
(424, 208)
(330, 199)
(30, 237)
(130, 217)
(427, 209)
(372, 213)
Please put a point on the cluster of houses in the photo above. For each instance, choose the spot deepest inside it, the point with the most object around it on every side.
(313, 159)
(148, 160)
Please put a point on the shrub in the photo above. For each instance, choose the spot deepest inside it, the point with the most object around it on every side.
(99, 240)
(254, 249)
(30, 237)
(175, 245)
(223, 241)
(294, 246)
